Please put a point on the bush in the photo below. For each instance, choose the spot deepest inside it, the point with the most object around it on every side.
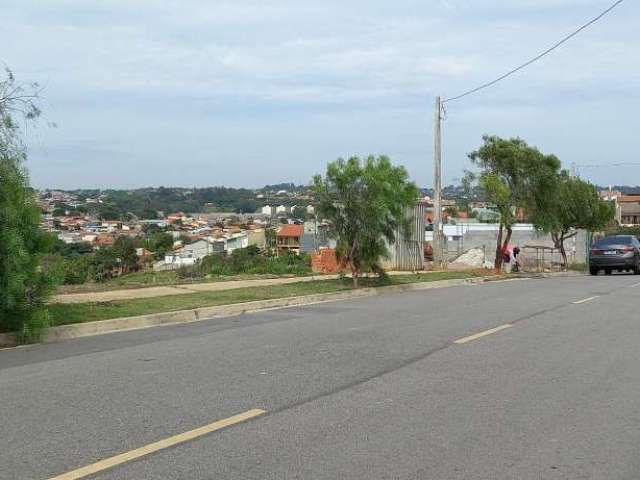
(250, 260)
(76, 270)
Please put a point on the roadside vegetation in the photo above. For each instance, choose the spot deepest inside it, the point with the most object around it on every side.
(523, 183)
(26, 280)
(364, 202)
(119, 266)
(64, 314)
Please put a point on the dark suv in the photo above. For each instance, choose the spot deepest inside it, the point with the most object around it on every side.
(617, 252)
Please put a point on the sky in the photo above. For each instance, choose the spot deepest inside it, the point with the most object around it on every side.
(254, 92)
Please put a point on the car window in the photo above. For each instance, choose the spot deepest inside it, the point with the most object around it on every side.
(608, 241)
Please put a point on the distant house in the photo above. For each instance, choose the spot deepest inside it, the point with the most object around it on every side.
(311, 209)
(267, 210)
(70, 237)
(194, 252)
(281, 209)
(89, 237)
(104, 240)
(629, 209)
(175, 217)
(289, 239)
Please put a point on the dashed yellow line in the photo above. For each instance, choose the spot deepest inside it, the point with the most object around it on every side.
(156, 446)
(482, 334)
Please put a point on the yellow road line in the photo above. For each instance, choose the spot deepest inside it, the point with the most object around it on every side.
(156, 446)
(585, 300)
(482, 334)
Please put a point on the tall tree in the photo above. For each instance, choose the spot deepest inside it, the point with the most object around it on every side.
(513, 176)
(124, 249)
(25, 279)
(364, 201)
(572, 204)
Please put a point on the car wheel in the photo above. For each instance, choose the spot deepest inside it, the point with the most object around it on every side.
(593, 270)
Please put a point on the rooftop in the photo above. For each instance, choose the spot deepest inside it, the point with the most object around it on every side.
(291, 231)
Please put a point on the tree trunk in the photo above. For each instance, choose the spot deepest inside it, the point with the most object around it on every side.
(558, 241)
(498, 261)
(354, 275)
(355, 270)
(507, 239)
(563, 252)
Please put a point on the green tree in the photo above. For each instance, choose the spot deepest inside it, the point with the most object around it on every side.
(107, 211)
(365, 201)
(247, 206)
(25, 278)
(270, 240)
(149, 214)
(124, 249)
(71, 249)
(299, 213)
(159, 243)
(103, 265)
(513, 176)
(25, 282)
(571, 205)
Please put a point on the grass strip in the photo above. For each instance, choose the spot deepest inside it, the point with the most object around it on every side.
(66, 314)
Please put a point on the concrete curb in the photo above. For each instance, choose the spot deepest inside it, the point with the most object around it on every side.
(8, 340)
(66, 332)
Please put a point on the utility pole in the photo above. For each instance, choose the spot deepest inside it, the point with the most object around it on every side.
(438, 247)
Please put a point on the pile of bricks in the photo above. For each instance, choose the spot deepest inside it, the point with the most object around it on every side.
(324, 261)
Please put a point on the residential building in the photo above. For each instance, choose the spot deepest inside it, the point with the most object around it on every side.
(104, 240)
(194, 252)
(629, 209)
(289, 239)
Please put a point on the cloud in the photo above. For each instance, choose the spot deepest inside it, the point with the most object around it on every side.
(143, 74)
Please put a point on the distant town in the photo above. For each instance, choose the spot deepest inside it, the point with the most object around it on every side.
(206, 221)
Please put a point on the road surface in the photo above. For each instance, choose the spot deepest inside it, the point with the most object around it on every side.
(530, 379)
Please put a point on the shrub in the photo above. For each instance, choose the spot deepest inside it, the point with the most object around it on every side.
(76, 270)
(250, 260)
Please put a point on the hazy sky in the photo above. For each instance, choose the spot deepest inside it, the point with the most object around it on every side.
(248, 92)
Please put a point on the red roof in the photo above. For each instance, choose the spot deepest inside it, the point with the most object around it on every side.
(291, 231)
(629, 198)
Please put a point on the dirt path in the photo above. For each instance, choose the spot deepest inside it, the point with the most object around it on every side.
(150, 292)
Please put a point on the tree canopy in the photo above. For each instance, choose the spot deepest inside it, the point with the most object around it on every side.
(572, 204)
(365, 202)
(513, 176)
(25, 279)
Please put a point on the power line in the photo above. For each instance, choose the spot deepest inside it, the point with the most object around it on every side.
(623, 164)
(538, 57)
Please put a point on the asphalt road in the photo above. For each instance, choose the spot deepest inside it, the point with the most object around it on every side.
(373, 388)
